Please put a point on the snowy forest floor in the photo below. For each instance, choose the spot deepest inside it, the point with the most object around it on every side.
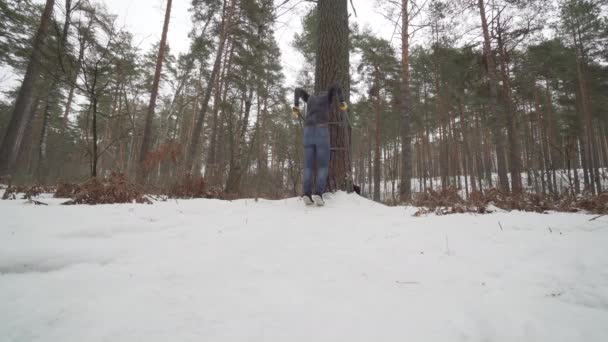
(355, 270)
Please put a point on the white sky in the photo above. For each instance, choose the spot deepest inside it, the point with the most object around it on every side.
(144, 18)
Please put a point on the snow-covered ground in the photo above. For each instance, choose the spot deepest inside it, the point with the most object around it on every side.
(208, 270)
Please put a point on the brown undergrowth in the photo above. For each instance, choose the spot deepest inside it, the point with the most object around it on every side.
(448, 201)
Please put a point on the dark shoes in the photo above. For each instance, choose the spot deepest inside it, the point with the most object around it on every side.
(314, 199)
(318, 199)
(308, 200)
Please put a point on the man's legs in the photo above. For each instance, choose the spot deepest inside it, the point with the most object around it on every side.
(309, 160)
(323, 153)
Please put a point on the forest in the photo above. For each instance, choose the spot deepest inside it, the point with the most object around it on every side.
(468, 98)
(157, 186)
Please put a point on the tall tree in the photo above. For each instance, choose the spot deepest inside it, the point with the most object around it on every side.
(586, 30)
(332, 60)
(53, 94)
(497, 126)
(380, 69)
(147, 137)
(225, 27)
(405, 189)
(23, 110)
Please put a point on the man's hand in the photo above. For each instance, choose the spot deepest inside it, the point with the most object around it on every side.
(343, 106)
(295, 111)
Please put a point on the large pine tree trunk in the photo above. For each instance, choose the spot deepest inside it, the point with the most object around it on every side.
(22, 112)
(146, 142)
(333, 67)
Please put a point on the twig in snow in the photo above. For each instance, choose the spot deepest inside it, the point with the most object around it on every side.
(407, 282)
(500, 225)
(36, 202)
(595, 218)
(550, 231)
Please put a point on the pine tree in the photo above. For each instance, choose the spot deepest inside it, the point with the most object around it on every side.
(23, 109)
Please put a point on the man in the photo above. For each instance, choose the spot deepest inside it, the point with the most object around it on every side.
(316, 138)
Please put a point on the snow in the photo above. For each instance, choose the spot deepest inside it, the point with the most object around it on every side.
(354, 270)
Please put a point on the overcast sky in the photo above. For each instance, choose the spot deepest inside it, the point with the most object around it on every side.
(144, 19)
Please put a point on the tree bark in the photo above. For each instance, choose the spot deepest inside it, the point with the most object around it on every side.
(332, 66)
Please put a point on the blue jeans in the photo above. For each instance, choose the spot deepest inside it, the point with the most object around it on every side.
(316, 147)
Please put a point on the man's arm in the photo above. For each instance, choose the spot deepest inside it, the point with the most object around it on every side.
(336, 90)
(300, 93)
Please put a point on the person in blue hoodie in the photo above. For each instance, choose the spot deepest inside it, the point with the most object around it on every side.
(316, 138)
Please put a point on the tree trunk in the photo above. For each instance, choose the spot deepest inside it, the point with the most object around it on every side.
(542, 166)
(94, 154)
(405, 189)
(332, 66)
(370, 171)
(22, 112)
(147, 137)
(509, 115)
(72, 84)
(442, 144)
(551, 148)
(377, 146)
(577, 182)
(235, 173)
(467, 157)
(594, 179)
(42, 146)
